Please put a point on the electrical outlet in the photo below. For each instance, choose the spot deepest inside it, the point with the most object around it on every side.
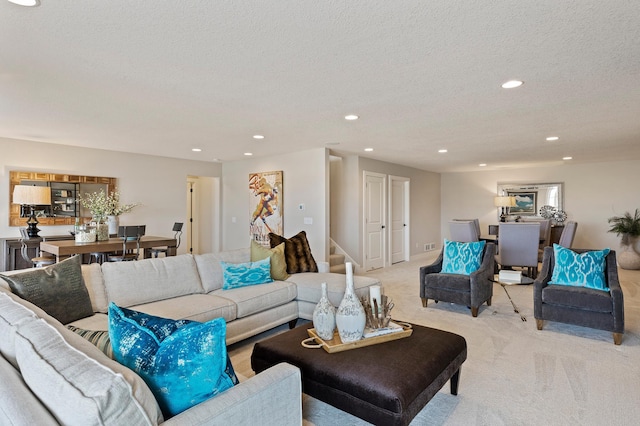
(429, 246)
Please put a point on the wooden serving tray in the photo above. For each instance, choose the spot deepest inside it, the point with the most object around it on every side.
(336, 345)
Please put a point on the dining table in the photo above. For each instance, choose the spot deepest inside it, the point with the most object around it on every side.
(65, 248)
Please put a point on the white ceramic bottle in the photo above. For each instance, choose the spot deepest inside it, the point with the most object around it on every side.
(350, 317)
(324, 316)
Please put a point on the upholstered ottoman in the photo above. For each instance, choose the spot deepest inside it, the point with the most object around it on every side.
(386, 384)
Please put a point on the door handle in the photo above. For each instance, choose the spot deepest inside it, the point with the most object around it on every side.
(382, 226)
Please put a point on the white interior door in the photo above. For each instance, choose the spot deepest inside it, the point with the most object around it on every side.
(374, 220)
(399, 219)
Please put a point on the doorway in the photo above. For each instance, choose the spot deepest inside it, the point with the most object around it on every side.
(399, 190)
(375, 206)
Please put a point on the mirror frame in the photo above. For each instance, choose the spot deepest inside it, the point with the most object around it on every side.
(504, 188)
(16, 177)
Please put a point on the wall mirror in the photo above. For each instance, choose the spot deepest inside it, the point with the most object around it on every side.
(65, 189)
(531, 197)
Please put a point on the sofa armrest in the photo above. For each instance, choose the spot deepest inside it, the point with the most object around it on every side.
(616, 292)
(274, 394)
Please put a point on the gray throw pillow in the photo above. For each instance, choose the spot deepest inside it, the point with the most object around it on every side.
(58, 289)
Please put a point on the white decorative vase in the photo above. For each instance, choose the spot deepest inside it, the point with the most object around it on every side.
(628, 257)
(350, 316)
(114, 222)
(324, 316)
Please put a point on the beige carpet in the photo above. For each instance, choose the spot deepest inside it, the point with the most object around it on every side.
(514, 374)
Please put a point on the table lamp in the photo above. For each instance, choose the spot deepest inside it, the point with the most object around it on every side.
(504, 202)
(31, 196)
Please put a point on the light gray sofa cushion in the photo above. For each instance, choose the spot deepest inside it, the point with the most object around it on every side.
(195, 307)
(12, 313)
(210, 269)
(75, 388)
(260, 297)
(163, 278)
(140, 391)
(92, 275)
(19, 404)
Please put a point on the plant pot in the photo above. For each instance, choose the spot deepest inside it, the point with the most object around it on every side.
(628, 257)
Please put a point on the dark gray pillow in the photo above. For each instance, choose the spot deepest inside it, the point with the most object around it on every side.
(58, 289)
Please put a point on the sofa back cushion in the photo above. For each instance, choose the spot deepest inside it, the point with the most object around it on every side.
(15, 396)
(149, 280)
(92, 275)
(14, 312)
(210, 269)
(75, 388)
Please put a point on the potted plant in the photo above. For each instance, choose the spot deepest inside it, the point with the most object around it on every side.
(105, 208)
(628, 227)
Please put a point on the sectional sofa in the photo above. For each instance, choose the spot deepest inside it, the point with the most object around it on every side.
(80, 384)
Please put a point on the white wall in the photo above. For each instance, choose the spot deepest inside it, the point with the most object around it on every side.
(592, 193)
(347, 203)
(159, 183)
(304, 180)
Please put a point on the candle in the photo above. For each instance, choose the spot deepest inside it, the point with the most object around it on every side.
(374, 293)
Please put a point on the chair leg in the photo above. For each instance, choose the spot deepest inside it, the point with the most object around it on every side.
(539, 323)
(474, 311)
(489, 302)
(617, 338)
(424, 302)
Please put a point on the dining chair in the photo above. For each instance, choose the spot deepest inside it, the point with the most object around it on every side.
(128, 234)
(476, 223)
(37, 261)
(177, 228)
(518, 246)
(568, 234)
(463, 232)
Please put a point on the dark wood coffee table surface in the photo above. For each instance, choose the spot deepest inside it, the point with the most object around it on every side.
(387, 383)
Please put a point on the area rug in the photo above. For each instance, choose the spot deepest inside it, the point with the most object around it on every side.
(514, 374)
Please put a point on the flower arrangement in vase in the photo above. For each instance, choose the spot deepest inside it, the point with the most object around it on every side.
(105, 209)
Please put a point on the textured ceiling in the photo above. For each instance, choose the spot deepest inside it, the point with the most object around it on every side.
(162, 77)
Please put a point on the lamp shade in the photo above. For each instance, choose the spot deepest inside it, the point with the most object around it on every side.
(29, 195)
(504, 201)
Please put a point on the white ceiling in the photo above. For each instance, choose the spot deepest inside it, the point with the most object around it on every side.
(163, 76)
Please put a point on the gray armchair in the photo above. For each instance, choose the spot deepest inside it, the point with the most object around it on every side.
(469, 290)
(579, 305)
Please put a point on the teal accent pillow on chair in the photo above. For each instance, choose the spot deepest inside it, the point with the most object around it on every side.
(235, 275)
(462, 258)
(183, 362)
(579, 270)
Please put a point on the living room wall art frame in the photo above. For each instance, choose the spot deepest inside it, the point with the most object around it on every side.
(526, 203)
(265, 206)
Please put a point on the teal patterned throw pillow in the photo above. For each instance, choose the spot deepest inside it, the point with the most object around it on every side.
(236, 275)
(183, 362)
(462, 258)
(580, 270)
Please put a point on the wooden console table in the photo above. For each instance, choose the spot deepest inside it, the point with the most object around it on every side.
(68, 248)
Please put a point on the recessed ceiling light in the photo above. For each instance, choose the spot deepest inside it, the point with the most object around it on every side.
(567, 158)
(442, 151)
(482, 165)
(258, 137)
(196, 150)
(28, 3)
(512, 84)
(248, 154)
(216, 160)
(368, 149)
(552, 138)
(351, 117)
